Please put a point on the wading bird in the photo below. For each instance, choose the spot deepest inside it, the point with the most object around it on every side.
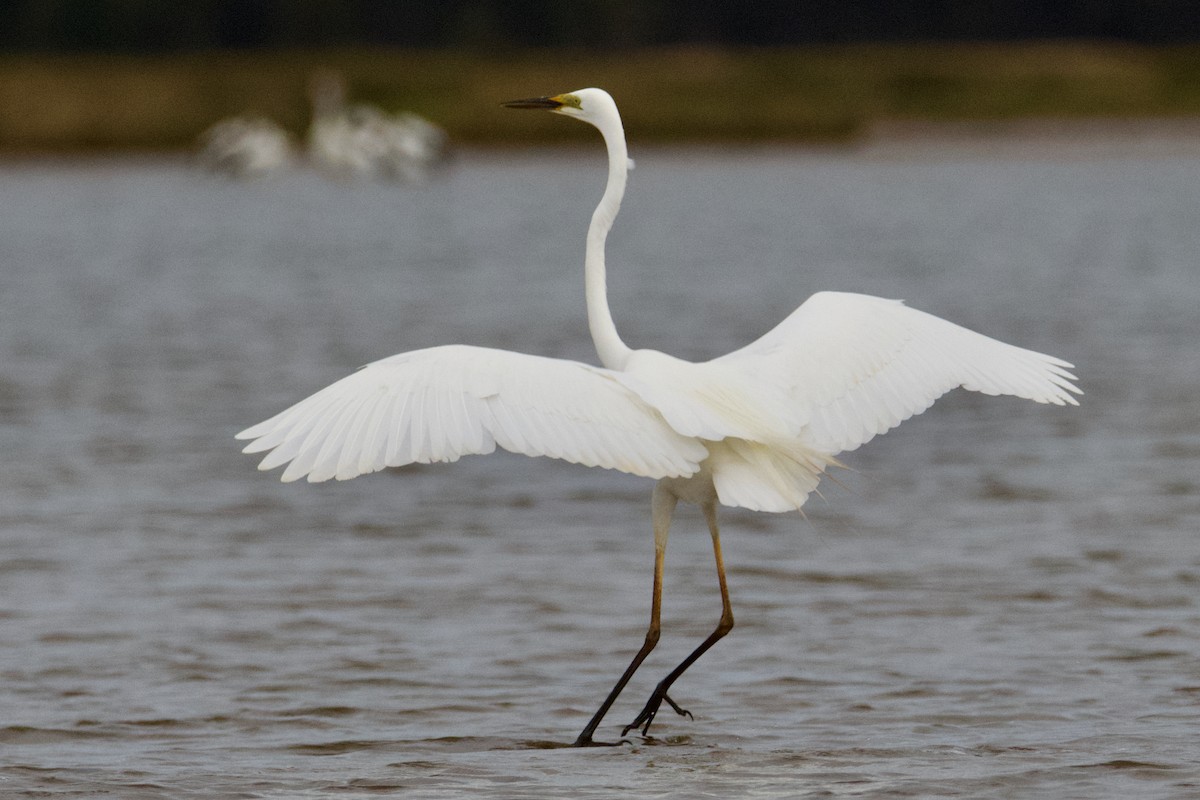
(362, 141)
(754, 428)
(245, 147)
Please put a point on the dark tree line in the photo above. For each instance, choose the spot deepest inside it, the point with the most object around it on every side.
(181, 25)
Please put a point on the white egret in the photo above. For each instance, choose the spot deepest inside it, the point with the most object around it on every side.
(754, 428)
(245, 147)
(352, 141)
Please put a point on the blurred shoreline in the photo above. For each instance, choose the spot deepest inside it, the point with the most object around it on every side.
(858, 94)
(1036, 137)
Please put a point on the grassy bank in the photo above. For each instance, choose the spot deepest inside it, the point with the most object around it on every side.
(62, 104)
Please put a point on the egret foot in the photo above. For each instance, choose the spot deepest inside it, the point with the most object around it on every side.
(651, 711)
(588, 741)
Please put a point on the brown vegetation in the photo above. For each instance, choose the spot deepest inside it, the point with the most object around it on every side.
(71, 103)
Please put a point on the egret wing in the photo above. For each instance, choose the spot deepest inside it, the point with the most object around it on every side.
(445, 402)
(856, 366)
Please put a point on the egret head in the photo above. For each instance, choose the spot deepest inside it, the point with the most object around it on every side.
(589, 105)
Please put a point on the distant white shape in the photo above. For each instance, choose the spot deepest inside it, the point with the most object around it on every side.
(361, 141)
(245, 147)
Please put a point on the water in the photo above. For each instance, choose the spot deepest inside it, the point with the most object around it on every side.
(999, 600)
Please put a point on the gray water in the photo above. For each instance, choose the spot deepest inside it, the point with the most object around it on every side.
(998, 600)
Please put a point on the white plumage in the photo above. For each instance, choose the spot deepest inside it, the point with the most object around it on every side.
(446, 402)
(361, 141)
(754, 428)
(245, 147)
(837, 372)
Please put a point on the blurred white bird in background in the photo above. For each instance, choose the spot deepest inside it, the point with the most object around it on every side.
(361, 141)
(752, 429)
(245, 147)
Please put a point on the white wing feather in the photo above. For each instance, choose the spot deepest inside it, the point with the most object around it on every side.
(856, 366)
(445, 402)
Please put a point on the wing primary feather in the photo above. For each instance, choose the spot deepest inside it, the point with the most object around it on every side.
(364, 454)
(325, 463)
(355, 440)
(421, 429)
(310, 447)
(295, 421)
(283, 453)
(372, 458)
(398, 429)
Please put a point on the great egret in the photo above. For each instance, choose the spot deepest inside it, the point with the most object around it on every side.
(754, 428)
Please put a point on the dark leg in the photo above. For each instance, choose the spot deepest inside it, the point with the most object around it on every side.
(663, 507)
(725, 625)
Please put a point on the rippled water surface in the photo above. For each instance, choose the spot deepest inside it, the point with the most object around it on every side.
(998, 600)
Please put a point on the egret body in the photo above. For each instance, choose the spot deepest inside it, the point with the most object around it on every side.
(754, 428)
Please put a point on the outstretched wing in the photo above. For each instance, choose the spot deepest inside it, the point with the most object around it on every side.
(445, 402)
(856, 366)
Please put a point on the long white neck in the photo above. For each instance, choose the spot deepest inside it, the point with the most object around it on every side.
(612, 351)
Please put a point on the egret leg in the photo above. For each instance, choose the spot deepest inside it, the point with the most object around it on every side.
(663, 507)
(725, 625)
